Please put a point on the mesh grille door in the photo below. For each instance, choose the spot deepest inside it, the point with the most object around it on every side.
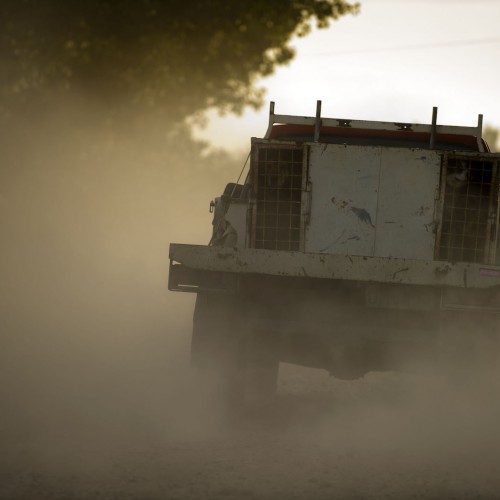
(278, 182)
(469, 194)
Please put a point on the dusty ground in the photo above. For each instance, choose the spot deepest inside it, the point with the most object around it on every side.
(384, 436)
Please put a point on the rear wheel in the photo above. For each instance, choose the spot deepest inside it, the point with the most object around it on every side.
(216, 347)
(235, 360)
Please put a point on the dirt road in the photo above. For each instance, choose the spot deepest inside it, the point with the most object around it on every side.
(384, 436)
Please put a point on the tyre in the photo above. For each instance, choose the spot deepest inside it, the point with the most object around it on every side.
(236, 362)
(216, 348)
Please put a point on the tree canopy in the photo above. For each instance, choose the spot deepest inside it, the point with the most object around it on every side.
(168, 55)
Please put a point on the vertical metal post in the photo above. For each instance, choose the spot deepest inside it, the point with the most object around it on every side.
(479, 134)
(305, 211)
(480, 126)
(271, 120)
(433, 127)
(493, 256)
(317, 124)
(252, 208)
(440, 209)
(490, 249)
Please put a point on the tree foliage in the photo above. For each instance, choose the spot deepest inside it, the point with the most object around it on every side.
(178, 57)
(490, 135)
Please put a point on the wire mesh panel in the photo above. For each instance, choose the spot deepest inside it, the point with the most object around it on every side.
(469, 209)
(277, 176)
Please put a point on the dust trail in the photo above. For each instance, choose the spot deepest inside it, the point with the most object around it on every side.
(93, 348)
(98, 400)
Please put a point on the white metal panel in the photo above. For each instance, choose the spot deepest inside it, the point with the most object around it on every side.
(344, 199)
(372, 201)
(237, 216)
(409, 180)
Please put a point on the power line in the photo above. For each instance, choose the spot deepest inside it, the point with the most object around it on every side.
(433, 45)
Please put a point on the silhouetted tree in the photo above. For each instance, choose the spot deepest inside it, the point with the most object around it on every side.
(139, 55)
(490, 135)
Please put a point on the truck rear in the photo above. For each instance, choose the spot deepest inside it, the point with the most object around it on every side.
(352, 246)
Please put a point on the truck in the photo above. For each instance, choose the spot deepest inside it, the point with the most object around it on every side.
(351, 246)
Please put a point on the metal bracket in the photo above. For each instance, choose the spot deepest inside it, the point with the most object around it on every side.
(317, 123)
(480, 133)
(433, 128)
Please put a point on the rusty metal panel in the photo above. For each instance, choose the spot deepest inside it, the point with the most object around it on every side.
(344, 183)
(409, 182)
(338, 267)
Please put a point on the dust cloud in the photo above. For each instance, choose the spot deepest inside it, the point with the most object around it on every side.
(98, 400)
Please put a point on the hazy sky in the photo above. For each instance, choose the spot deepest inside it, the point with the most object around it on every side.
(392, 62)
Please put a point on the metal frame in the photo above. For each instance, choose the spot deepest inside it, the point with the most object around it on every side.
(282, 198)
(306, 200)
(491, 229)
(317, 121)
(336, 267)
